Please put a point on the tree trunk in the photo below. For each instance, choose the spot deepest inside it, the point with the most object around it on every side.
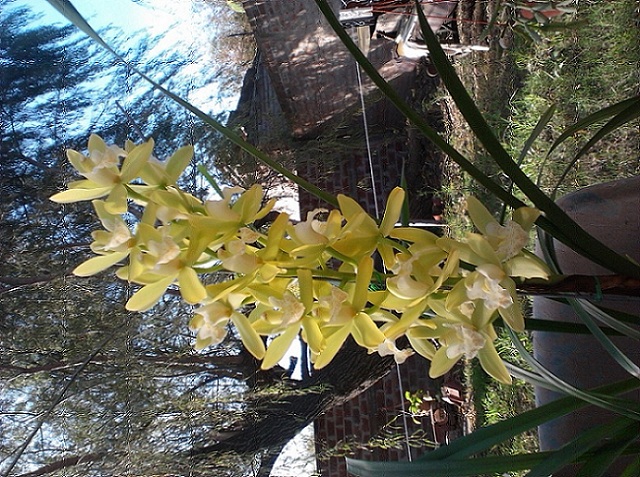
(275, 423)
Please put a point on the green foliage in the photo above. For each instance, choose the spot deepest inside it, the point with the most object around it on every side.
(594, 447)
(593, 65)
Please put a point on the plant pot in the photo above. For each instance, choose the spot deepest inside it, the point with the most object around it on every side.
(611, 213)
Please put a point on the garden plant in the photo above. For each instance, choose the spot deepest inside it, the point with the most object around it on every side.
(341, 273)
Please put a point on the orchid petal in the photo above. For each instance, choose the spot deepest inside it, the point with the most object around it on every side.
(178, 162)
(441, 363)
(149, 295)
(77, 195)
(250, 338)
(333, 343)
(313, 335)
(363, 279)
(97, 264)
(422, 346)
(395, 202)
(365, 331)
(479, 214)
(191, 287)
(278, 347)
(493, 364)
(136, 159)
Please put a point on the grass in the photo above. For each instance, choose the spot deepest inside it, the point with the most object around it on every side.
(580, 69)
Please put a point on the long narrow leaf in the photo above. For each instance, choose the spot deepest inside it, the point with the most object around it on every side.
(598, 464)
(616, 322)
(542, 377)
(537, 130)
(631, 112)
(551, 381)
(455, 467)
(486, 437)
(212, 182)
(612, 318)
(556, 219)
(633, 469)
(68, 10)
(589, 439)
(615, 352)
(538, 324)
(446, 468)
(594, 118)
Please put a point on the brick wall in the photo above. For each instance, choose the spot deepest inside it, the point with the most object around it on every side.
(363, 418)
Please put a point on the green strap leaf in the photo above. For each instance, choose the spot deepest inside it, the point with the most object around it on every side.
(615, 352)
(633, 470)
(627, 114)
(68, 10)
(556, 220)
(598, 463)
(598, 116)
(492, 465)
(484, 438)
(626, 408)
(537, 130)
(588, 440)
(446, 468)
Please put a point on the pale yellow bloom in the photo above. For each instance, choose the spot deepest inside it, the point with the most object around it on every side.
(210, 323)
(484, 284)
(508, 240)
(388, 347)
(361, 235)
(464, 330)
(289, 307)
(104, 174)
(112, 245)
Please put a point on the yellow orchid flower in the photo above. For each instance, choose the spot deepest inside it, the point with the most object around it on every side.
(161, 174)
(490, 287)
(497, 244)
(348, 313)
(112, 245)
(104, 174)
(287, 314)
(465, 330)
(509, 239)
(361, 235)
(210, 324)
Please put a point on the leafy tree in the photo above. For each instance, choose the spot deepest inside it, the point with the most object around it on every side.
(87, 388)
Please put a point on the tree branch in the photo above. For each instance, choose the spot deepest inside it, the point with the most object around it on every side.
(64, 463)
(351, 372)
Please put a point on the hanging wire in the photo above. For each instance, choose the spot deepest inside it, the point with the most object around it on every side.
(405, 422)
(366, 137)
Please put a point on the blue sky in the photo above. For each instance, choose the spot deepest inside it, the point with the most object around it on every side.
(172, 21)
(125, 14)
